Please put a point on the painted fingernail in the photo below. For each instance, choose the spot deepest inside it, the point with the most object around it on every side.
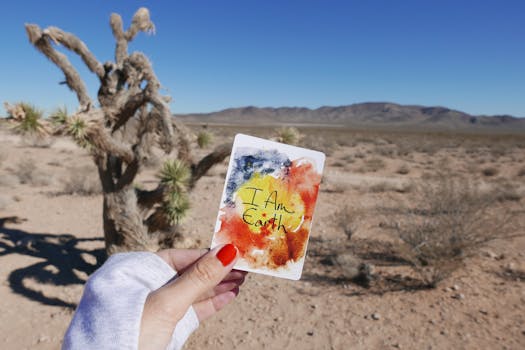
(227, 254)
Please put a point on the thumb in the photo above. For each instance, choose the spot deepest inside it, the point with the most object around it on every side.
(201, 277)
(166, 306)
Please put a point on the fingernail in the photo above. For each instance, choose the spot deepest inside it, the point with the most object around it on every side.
(227, 254)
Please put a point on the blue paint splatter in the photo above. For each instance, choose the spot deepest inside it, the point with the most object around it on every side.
(248, 161)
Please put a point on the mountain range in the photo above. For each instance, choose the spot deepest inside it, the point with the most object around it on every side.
(362, 115)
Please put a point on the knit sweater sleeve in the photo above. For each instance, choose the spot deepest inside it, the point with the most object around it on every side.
(110, 310)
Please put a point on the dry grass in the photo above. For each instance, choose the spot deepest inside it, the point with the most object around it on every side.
(82, 181)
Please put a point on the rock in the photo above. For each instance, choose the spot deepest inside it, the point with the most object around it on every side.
(455, 287)
(490, 254)
(510, 266)
(310, 333)
(484, 312)
(458, 296)
(376, 316)
(43, 339)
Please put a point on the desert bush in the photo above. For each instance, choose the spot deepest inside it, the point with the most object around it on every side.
(348, 219)
(289, 135)
(204, 138)
(323, 144)
(390, 186)
(338, 164)
(384, 151)
(335, 184)
(403, 170)
(373, 165)
(446, 222)
(506, 191)
(28, 173)
(82, 181)
(490, 171)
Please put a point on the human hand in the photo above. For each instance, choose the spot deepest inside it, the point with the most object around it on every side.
(205, 281)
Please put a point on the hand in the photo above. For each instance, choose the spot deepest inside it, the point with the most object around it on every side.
(205, 281)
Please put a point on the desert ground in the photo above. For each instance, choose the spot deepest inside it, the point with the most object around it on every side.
(52, 244)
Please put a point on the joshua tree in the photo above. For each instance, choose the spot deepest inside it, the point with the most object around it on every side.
(131, 118)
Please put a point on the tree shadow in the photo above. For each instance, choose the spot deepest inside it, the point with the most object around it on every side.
(61, 255)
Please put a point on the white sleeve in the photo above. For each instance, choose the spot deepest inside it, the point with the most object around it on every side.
(110, 311)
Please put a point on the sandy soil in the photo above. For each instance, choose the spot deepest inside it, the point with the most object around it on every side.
(47, 254)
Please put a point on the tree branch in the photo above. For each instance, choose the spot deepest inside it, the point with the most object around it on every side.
(71, 42)
(41, 41)
(202, 167)
(147, 199)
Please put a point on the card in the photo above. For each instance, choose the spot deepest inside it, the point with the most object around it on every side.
(267, 205)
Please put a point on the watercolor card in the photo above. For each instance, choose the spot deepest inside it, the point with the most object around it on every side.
(267, 205)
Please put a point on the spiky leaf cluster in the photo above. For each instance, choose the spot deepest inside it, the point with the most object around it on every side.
(59, 117)
(289, 135)
(204, 138)
(29, 121)
(77, 128)
(175, 175)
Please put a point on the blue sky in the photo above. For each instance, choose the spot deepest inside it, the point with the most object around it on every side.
(211, 55)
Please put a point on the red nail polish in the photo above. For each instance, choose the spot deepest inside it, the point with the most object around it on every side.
(227, 254)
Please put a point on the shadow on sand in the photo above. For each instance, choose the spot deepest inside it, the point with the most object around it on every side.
(61, 258)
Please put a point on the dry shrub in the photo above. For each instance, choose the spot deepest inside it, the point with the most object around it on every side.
(384, 151)
(335, 184)
(447, 222)
(506, 191)
(403, 170)
(372, 165)
(28, 173)
(82, 181)
(323, 144)
(490, 171)
(348, 219)
(389, 186)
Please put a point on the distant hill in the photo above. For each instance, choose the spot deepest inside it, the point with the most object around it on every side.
(366, 115)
